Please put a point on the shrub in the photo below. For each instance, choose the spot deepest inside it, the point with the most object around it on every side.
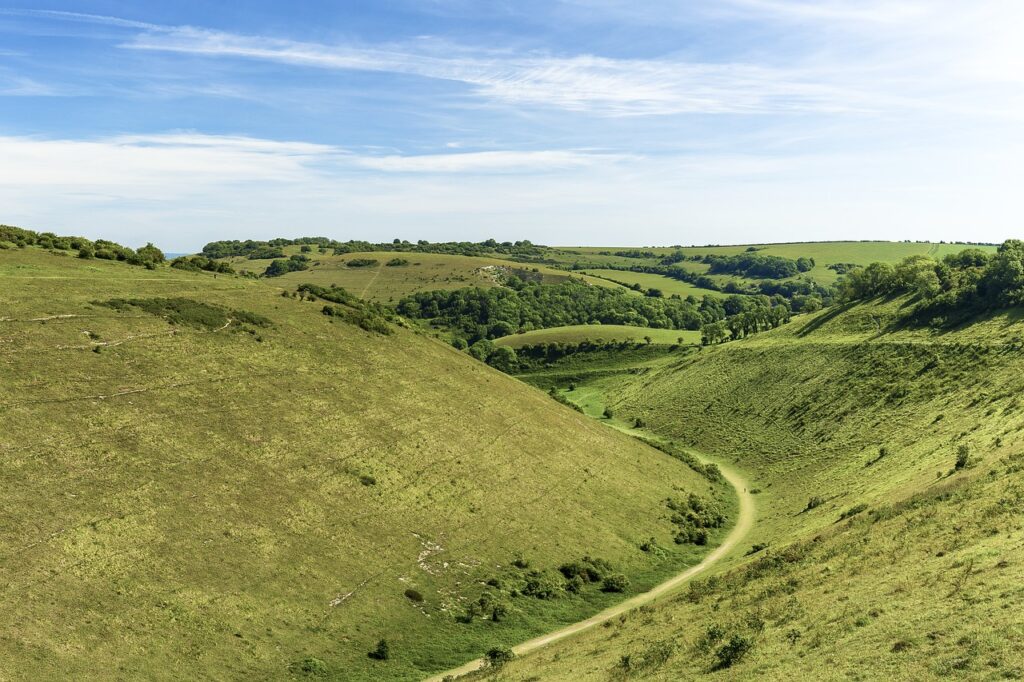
(541, 585)
(615, 583)
(382, 652)
(310, 666)
(367, 480)
(362, 263)
(589, 569)
(413, 595)
(608, 414)
(396, 262)
(498, 656)
(963, 456)
(733, 651)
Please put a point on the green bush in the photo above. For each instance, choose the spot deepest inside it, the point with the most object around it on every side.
(413, 595)
(362, 263)
(615, 583)
(733, 651)
(310, 666)
(498, 656)
(963, 456)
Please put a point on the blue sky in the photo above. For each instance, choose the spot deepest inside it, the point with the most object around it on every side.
(562, 121)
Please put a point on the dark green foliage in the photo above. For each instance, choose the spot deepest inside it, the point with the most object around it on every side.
(150, 253)
(367, 480)
(693, 516)
(498, 656)
(542, 585)
(963, 456)
(413, 595)
(397, 262)
(608, 413)
(958, 286)
(522, 249)
(733, 651)
(362, 263)
(197, 263)
(479, 313)
(617, 582)
(589, 569)
(382, 652)
(753, 265)
(283, 267)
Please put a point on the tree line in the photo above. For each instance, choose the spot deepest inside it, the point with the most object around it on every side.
(256, 249)
(955, 286)
(147, 256)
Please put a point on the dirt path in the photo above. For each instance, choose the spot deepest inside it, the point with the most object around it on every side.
(744, 522)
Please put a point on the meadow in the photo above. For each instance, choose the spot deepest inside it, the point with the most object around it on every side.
(216, 476)
(385, 283)
(207, 476)
(886, 464)
(599, 332)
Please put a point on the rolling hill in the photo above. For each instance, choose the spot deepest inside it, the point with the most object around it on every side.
(205, 478)
(886, 461)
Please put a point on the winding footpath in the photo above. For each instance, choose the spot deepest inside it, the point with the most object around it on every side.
(744, 522)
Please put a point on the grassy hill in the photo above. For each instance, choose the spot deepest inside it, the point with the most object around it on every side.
(593, 332)
(411, 272)
(206, 479)
(823, 253)
(888, 468)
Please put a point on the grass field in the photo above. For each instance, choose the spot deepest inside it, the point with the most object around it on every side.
(424, 272)
(593, 332)
(216, 499)
(824, 254)
(667, 285)
(880, 559)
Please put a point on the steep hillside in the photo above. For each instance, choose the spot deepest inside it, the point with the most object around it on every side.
(204, 478)
(887, 465)
(388, 276)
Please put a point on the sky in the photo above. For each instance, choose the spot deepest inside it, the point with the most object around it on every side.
(564, 122)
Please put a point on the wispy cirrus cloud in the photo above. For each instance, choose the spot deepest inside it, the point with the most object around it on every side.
(578, 83)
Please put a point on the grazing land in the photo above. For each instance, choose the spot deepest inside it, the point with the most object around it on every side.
(886, 464)
(378, 281)
(207, 478)
(599, 332)
(222, 471)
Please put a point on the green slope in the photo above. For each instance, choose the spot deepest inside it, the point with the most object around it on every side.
(235, 501)
(594, 332)
(420, 272)
(920, 580)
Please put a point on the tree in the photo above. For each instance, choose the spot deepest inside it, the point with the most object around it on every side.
(151, 254)
(503, 358)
